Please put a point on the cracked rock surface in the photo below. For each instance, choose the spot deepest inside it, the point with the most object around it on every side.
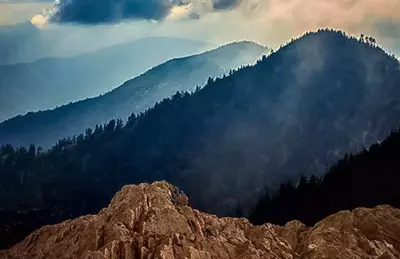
(155, 221)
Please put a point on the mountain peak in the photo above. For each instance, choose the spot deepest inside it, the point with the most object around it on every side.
(241, 45)
(154, 221)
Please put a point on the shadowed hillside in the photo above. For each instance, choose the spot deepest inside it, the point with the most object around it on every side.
(367, 179)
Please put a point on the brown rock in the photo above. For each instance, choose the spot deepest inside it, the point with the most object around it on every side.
(362, 233)
(154, 221)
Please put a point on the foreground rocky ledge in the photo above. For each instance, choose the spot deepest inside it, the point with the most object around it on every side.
(154, 221)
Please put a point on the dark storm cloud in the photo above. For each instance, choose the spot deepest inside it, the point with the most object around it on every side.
(225, 4)
(194, 16)
(110, 11)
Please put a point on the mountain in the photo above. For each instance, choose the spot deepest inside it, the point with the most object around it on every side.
(293, 112)
(52, 82)
(136, 95)
(155, 221)
(366, 179)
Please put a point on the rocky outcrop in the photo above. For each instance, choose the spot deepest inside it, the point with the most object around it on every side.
(155, 221)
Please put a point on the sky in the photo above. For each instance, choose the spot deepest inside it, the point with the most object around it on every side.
(269, 22)
(16, 12)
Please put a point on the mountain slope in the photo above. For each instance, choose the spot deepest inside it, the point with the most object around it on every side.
(155, 221)
(366, 179)
(52, 82)
(136, 95)
(293, 112)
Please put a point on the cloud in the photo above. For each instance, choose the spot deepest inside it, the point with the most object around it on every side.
(225, 4)
(113, 11)
(292, 17)
(39, 20)
(12, 12)
(274, 22)
(180, 12)
(108, 11)
(388, 28)
(387, 32)
(269, 22)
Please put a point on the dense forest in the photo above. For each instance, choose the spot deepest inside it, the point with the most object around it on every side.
(294, 112)
(366, 179)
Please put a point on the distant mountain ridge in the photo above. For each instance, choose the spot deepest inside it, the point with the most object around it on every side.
(135, 95)
(51, 82)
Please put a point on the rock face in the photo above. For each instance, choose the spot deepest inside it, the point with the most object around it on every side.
(155, 221)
